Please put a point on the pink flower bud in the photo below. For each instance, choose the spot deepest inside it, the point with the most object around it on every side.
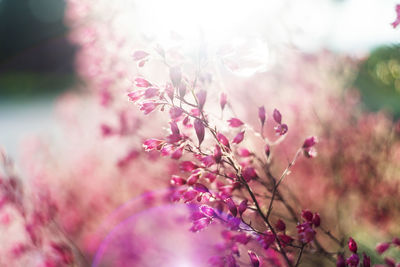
(310, 142)
(267, 151)
(106, 130)
(277, 116)
(382, 247)
(151, 144)
(135, 96)
(188, 166)
(139, 55)
(200, 224)
(366, 260)
(182, 90)
(396, 241)
(201, 97)
(352, 245)
(217, 154)
(242, 206)
(200, 130)
(261, 115)
(390, 262)
(177, 180)
(207, 210)
(223, 100)
(280, 226)
(177, 154)
(238, 138)
(281, 129)
(255, 261)
(175, 75)
(353, 260)
(175, 113)
(151, 92)
(223, 140)
(140, 82)
(148, 107)
(231, 206)
(285, 239)
(243, 152)
(249, 173)
(316, 220)
(200, 188)
(340, 261)
(307, 215)
(234, 122)
(189, 195)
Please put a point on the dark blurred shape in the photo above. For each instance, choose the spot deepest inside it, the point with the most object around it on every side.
(35, 55)
(379, 80)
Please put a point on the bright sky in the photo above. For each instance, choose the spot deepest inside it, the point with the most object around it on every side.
(346, 25)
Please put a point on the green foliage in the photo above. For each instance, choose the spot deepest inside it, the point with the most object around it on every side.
(379, 80)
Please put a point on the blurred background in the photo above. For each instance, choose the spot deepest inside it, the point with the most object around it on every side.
(36, 65)
(37, 61)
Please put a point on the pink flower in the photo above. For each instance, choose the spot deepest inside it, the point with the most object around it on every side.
(231, 206)
(200, 224)
(307, 215)
(382, 247)
(234, 122)
(151, 144)
(177, 180)
(238, 138)
(352, 245)
(223, 140)
(200, 188)
(267, 150)
(255, 261)
(188, 166)
(310, 142)
(280, 226)
(305, 232)
(136, 95)
(201, 98)
(189, 195)
(139, 55)
(217, 154)
(249, 173)
(277, 116)
(340, 261)
(151, 92)
(366, 260)
(208, 161)
(223, 100)
(267, 239)
(207, 210)
(200, 130)
(243, 152)
(242, 206)
(261, 115)
(177, 154)
(353, 260)
(396, 241)
(281, 129)
(106, 130)
(148, 107)
(316, 220)
(140, 82)
(175, 112)
(176, 75)
(397, 21)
